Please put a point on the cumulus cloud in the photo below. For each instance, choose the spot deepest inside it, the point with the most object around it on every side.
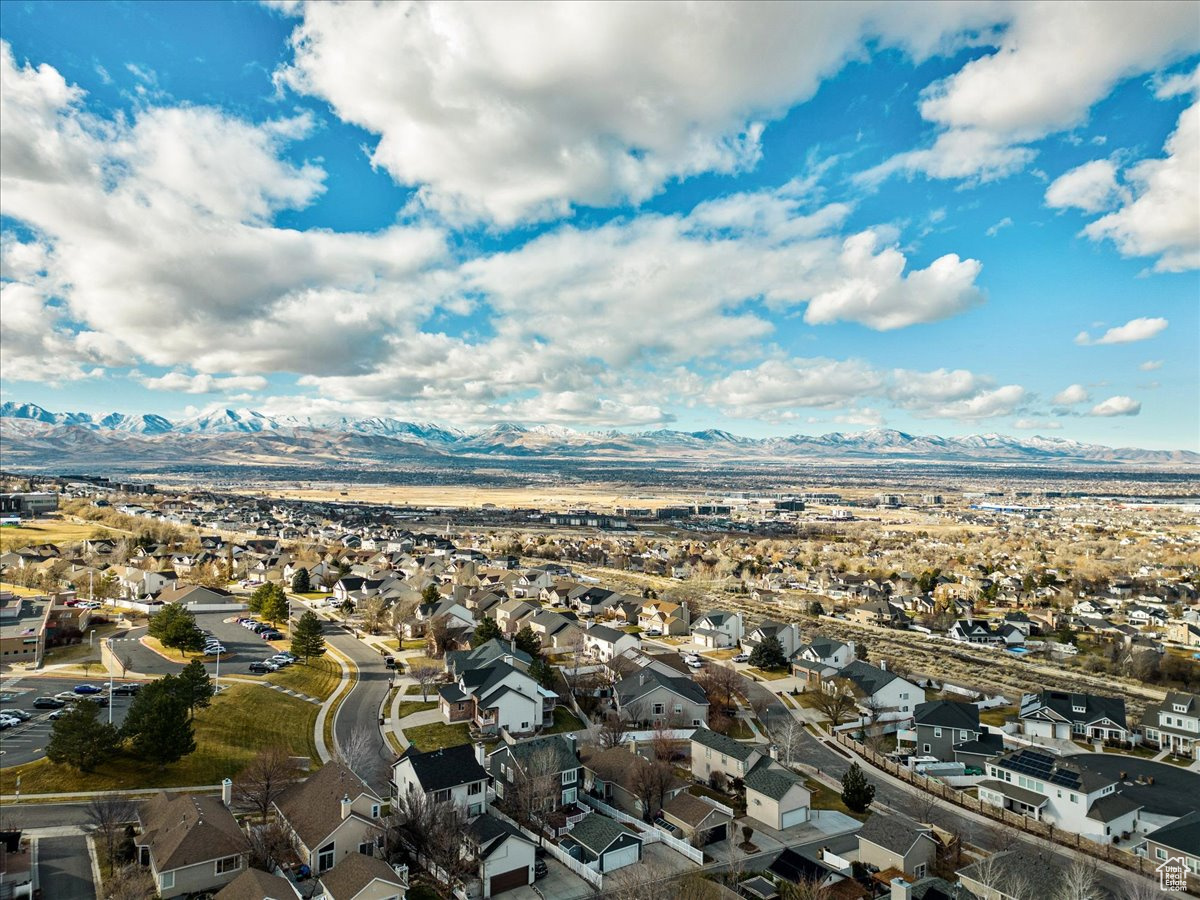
(997, 104)
(1036, 425)
(516, 111)
(1151, 365)
(201, 383)
(1117, 406)
(1141, 329)
(1072, 395)
(953, 394)
(1091, 187)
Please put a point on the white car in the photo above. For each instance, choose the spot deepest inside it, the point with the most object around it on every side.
(695, 664)
(742, 657)
(654, 632)
(9, 721)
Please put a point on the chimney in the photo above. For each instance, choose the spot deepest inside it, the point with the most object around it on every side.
(345, 806)
(574, 745)
(774, 751)
(481, 754)
(227, 792)
(883, 665)
(901, 890)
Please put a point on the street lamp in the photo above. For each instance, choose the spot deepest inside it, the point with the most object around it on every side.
(108, 643)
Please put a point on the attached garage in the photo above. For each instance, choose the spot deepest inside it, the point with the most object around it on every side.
(618, 856)
(506, 881)
(795, 817)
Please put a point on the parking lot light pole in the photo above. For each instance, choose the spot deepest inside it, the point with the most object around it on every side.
(108, 643)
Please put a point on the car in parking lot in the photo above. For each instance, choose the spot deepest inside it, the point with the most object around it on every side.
(87, 689)
(261, 668)
(213, 649)
(281, 661)
(129, 690)
(66, 696)
(16, 714)
(695, 664)
(48, 703)
(7, 721)
(57, 714)
(97, 699)
(272, 635)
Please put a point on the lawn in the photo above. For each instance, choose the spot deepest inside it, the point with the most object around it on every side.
(770, 674)
(242, 720)
(319, 678)
(997, 715)
(408, 707)
(727, 653)
(564, 720)
(50, 531)
(438, 735)
(415, 689)
(739, 731)
(21, 591)
(412, 644)
(824, 797)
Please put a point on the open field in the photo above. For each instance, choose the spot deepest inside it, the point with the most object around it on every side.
(50, 531)
(242, 720)
(318, 678)
(21, 591)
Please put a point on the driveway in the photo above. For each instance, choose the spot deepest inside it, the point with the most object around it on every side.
(560, 883)
(65, 869)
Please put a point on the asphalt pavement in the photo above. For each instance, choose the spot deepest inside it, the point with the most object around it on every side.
(65, 868)
(243, 647)
(360, 710)
(27, 742)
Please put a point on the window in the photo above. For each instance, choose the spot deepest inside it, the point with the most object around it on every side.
(524, 726)
(475, 787)
(374, 810)
(919, 870)
(937, 732)
(441, 796)
(475, 809)
(678, 709)
(228, 864)
(659, 709)
(570, 776)
(927, 749)
(166, 880)
(1160, 853)
(568, 796)
(367, 848)
(325, 858)
(962, 736)
(696, 722)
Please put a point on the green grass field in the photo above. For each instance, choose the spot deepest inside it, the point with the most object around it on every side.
(241, 721)
(408, 707)
(564, 720)
(437, 735)
(318, 678)
(824, 797)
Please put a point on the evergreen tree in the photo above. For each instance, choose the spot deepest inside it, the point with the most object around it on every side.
(307, 639)
(195, 687)
(157, 725)
(275, 605)
(816, 609)
(769, 654)
(857, 792)
(301, 582)
(542, 671)
(255, 601)
(80, 739)
(485, 631)
(176, 627)
(528, 642)
(430, 594)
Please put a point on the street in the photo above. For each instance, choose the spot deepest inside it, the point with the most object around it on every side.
(361, 708)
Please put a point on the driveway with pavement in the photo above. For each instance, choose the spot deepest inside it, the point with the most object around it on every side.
(65, 869)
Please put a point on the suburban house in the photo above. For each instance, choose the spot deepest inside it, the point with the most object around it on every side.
(714, 753)
(449, 775)
(717, 629)
(664, 617)
(604, 643)
(603, 844)
(190, 842)
(649, 695)
(788, 635)
(883, 696)
(1174, 724)
(612, 776)
(511, 615)
(828, 652)
(506, 856)
(1185, 633)
(493, 692)
(942, 725)
(330, 815)
(255, 884)
(361, 877)
(1063, 716)
(977, 631)
(1178, 840)
(696, 819)
(776, 796)
(1053, 789)
(551, 759)
(890, 842)
(879, 612)
(556, 630)
(1010, 875)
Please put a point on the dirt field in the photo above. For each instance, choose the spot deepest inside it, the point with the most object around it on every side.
(48, 531)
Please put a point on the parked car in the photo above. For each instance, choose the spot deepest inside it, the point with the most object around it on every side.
(540, 869)
(66, 696)
(213, 649)
(87, 689)
(97, 699)
(742, 657)
(389, 662)
(48, 703)
(695, 664)
(271, 666)
(57, 714)
(261, 668)
(280, 661)
(126, 690)
(272, 635)
(653, 632)
(7, 721)
(17, 714)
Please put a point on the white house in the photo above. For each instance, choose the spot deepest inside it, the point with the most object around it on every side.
(883, 696)
(1063, 716)
(717, 629)
(449, 775)
(604, 643)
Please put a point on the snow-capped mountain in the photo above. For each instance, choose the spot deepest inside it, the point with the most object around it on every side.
(33, 433)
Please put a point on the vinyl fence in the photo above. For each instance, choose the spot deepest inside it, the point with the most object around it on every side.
(650, 834)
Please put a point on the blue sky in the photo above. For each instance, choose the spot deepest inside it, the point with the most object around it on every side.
(772, 219)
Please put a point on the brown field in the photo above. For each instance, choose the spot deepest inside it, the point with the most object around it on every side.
(50, 531)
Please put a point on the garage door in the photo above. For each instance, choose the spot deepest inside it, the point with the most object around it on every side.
(615, 859)
(506, 881)
(716, 834)
(795, 817)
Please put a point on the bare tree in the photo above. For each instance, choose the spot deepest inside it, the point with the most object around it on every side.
(270, 846)
(426, 672)
(1135, 887)
(374, 612)
(722, 685)
(650, 781)
(1079, 881)
(107, 813)
(446, 849)
(805, 889)
(787, 733)
(126, 663)
(653, 880)
(834, 704)
(133, 882)
(662, 740)
(357, 751)
(534, 789)
(611, 731)
(411, 823)
(266, 776)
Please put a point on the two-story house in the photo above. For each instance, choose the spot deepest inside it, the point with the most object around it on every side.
(788, 635)
(492, 693)
(942, 725)
(977, 631)
(605, 643)
(664, 617)
(1174, 724)
(820, 659)
(329, 815)
(1053, 789)
(1178, 840)
(715, 754)
(449, 775)
(613, 776)
(883, 696)
(717, 629)
(506, 856)
(551, 758)
(191, 843)
(649, 695)
(892, 842)
(1064, 716)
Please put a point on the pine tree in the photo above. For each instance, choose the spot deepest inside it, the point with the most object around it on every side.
(857, 792)
(528, 642)
(275, 605)
(157, 725)
(301, 582)
(80, 739)
(430, 594)
(485, 631)
(769, 654)
(195, 687)
(176, 627)
(307, 639)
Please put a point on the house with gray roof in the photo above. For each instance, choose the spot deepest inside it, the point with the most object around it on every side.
(942, 725)
(651, 696)
(552, 759)
(775, 796)
(330, 815)
(1180, 839)
(882, 695)
(1063, 716)
(1174, 724)
(603, 844)
(447, 775)
(506, 856)
(494, 693)
(605, 643)
(893, 842)
(717, 629)
(191, 843)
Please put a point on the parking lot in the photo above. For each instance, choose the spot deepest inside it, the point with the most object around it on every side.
(242, 648)
(27, 742)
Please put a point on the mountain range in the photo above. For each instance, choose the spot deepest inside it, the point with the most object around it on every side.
(34, 436)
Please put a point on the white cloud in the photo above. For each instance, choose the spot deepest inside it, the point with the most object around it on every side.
(865, 416)
(1151, 365)
(1006, 222)
(953, 394)
(794, 384)
(1117, 406)
(1069, 396)
(1141, 329)
(1091, 187)
(1163, 217)
(180, 382)
(512, 111)
(1036, 425)
(997, 104)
